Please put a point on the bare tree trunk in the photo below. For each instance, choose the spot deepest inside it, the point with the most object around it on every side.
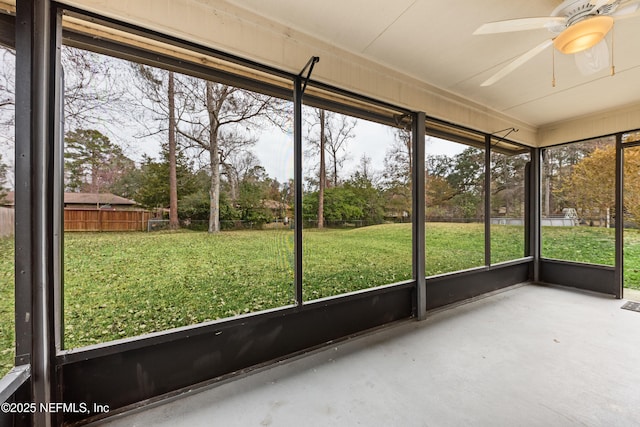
(323, 174)
(335, 168)
(232, 176)
(214, 163)
(173, 180)
(409, 145)
(547, 185)
(94, 179)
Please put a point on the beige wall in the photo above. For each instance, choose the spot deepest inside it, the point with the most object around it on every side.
(604, 123)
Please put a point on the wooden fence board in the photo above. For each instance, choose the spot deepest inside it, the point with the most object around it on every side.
(7, 221)
(87, 220)
(105, 220)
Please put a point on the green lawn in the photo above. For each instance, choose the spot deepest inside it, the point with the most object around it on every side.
(7, 322)
(126, 284)
(594, 245)
(339, 261)
(452, 247)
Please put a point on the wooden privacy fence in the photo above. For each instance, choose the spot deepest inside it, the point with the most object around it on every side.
(105, 220)
(7, 221)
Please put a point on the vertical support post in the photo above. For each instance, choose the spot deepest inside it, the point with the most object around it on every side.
(58, 185)
(527, 208)
(34, 183)
(418, 181)
(534, 212)
(487, 200)
(297, 179)
(619, 218)
(23, 154)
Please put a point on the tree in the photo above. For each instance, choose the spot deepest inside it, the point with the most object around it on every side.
(557, 165)
(217, 128)
(237, 164)
(3, 179)
(338, 132)
(152, 186)
(7, 113)
(173, 186)
(368, 195)
(356, 199)
(399, 159)
(92, 93)
(632, 184)
(334, 131)
(454, 185)
(591, 185)
(507, 183)
(92, 162)
(322, 173)
(438, 190)
(128, 185)
(398, 167)
(7, 97)
(157, 87)
(92, 90)
(254, 189)
(341, 204)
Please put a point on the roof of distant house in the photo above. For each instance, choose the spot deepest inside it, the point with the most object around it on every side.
(98, 198)
(82, 199)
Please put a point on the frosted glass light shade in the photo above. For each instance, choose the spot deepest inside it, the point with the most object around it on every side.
(594, 59)
(583, 35)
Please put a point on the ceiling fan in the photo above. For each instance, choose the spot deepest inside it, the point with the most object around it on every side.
(578, 27)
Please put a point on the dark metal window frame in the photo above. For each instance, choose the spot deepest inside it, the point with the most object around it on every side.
(592, 277)
(448, 288)
(61, 375)
(377, 111)
(149, 367)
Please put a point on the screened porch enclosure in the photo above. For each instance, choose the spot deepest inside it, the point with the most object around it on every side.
(327, 210)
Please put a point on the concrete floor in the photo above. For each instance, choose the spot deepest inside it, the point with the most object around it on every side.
(531, 356)
(631, 294)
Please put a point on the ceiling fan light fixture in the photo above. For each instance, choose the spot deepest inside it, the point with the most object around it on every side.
(583, 35)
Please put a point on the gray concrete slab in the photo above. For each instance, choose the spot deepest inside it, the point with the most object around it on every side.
(532, 356)
(631, 294)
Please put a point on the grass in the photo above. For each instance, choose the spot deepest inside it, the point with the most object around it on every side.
(7, 339)
(452, 247)
(594, 245)
(125, 284)
(339, 261)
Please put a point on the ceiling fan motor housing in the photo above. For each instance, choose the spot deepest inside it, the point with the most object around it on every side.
(578, 10)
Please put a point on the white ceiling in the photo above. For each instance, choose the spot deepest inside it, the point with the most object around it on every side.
(433, 42)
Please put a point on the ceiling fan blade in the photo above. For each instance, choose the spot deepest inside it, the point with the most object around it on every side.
(598, 4)
(518, 62)
(594, 59)
(521, 24)
(626, 9)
